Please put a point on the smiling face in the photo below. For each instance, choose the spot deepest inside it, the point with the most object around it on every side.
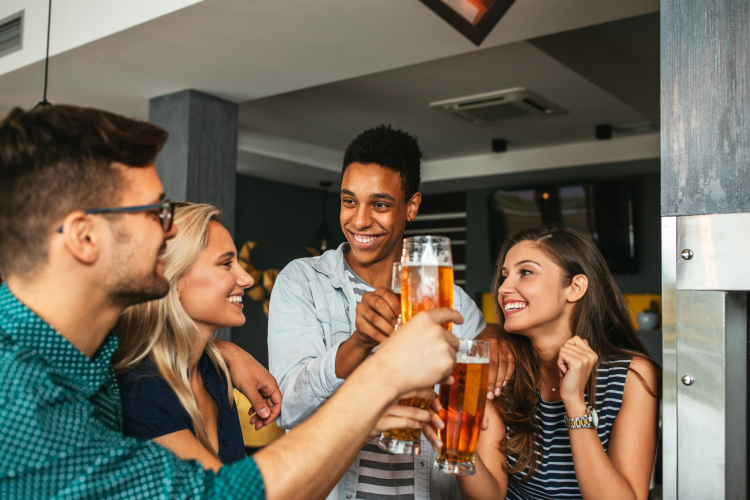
(534, 296)
(374, 212)
(211, 291)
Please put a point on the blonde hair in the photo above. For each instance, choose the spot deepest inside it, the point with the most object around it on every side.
(161, 329)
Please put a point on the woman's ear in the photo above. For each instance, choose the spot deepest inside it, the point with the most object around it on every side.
(577, 289)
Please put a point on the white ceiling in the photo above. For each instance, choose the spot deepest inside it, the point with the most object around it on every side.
(247, 49)
(311, 75)
(332, 115)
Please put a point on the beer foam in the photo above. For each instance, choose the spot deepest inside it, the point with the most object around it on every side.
(474, 360)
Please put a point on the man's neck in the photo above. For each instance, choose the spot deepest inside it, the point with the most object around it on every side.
(377, 274)
(82, 314)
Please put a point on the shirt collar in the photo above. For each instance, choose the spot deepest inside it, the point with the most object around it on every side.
(30, 331)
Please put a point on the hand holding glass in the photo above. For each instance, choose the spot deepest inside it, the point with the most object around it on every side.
(426, 283)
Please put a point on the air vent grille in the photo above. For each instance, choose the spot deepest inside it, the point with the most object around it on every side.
(500, 105)
(11, 33)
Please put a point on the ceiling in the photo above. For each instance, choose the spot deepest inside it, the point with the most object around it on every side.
(315, 74)
(585, 80)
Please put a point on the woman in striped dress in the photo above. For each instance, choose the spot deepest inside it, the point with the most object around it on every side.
(578, 357)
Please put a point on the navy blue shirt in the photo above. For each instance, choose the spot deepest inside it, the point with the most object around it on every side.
(151, 409)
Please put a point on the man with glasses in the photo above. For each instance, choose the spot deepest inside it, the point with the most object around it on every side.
(82, 229)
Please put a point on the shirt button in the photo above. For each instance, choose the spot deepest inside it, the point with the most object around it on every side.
(421, 464)
(225, 443)
(221, 424)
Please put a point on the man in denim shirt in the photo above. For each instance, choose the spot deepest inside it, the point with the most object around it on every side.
(323, 324)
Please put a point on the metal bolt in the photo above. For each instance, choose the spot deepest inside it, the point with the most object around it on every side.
(421, 464)
(688, 379)
(687, 254)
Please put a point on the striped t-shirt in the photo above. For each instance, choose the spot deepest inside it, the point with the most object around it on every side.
(382, 476)
(556, 477)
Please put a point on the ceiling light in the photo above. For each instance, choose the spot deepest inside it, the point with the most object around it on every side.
(472, 18)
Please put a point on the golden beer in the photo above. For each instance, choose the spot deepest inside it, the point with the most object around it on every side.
(463, 405)
(426, 283)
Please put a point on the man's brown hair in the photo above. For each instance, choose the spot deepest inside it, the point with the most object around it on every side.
(55, 161)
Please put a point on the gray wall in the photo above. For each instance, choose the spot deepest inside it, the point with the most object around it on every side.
(281, 218)
(647, 225)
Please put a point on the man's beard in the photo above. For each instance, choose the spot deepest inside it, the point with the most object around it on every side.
(126, 288)
(126, 291)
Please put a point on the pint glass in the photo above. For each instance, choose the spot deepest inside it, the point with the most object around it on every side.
(426, 283)
(463, 408)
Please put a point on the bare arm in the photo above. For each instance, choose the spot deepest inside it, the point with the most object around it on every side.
(491, 480)
(186, 446)
(309, 460)
(625, 470)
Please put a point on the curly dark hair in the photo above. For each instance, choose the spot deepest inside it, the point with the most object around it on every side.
(391, 148)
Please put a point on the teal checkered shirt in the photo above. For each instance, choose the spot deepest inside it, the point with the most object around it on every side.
(61, 425)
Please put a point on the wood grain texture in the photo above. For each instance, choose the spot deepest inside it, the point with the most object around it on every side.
(705, 107)
(199, 162)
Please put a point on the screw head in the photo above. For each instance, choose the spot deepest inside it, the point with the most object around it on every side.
(688, 379)
(686, 254)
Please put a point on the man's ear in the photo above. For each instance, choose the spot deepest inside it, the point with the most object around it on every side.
(412, 206)
(577, 289)
(80, 238)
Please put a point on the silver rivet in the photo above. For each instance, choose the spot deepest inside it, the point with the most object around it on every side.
(688, 379)
(687, 254)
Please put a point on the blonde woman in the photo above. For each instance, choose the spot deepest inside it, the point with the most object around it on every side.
(174, 384)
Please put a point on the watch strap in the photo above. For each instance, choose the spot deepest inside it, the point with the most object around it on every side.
(584, 422)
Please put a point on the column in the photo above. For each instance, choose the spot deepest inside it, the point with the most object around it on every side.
(705, 154)
(199, 161)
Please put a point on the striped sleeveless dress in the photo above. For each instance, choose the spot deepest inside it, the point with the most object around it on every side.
(556, 478)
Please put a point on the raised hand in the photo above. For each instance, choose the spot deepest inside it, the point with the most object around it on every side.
(575, 361)
(377, 316)
(421, 352)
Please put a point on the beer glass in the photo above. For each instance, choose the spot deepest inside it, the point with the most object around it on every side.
(463, 408)
(396, 286)
(426, 283)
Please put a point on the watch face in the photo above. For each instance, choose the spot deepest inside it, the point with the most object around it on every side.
(594, 418)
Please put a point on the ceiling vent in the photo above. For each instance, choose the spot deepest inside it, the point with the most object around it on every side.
(11, 33)
(500, 105)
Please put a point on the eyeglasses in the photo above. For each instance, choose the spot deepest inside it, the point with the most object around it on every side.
(166, 212)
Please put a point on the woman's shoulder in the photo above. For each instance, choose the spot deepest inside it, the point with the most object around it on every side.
(144, 374)
(644, 371)
(150, 407)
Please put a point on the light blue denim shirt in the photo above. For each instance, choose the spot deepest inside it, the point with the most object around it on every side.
(312, 311)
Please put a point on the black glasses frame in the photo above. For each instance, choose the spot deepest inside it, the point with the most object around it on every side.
(166, 214)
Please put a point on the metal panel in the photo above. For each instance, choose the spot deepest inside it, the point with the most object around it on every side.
(669, 357)
(718, 244)
(711, 335)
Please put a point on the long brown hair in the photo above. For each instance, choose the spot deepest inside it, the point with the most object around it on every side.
(600, 317)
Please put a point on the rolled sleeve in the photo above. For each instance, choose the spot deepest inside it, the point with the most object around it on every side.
(299, 356)
(474, 321)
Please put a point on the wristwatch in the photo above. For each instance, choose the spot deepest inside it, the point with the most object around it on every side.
(589, 421)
